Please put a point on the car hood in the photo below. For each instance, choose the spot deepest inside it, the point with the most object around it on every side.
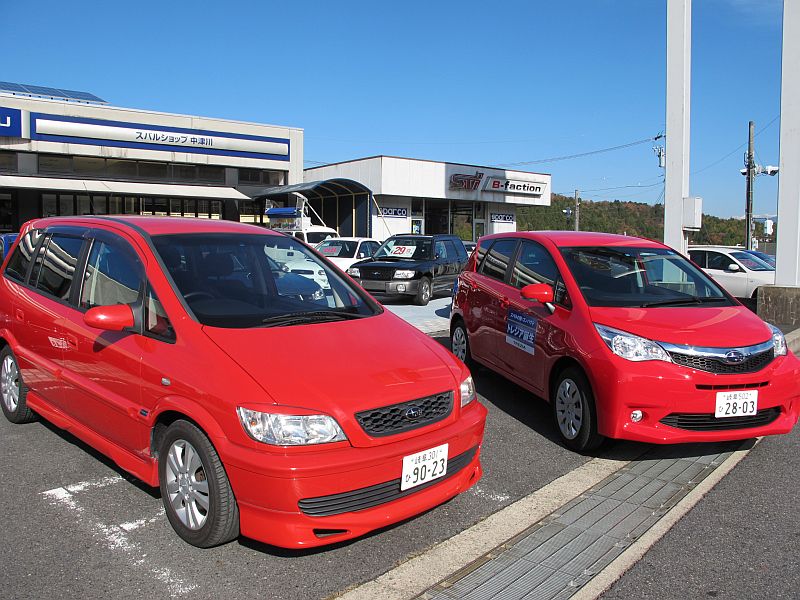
(391, 264)
(706, 326)
(342, 367)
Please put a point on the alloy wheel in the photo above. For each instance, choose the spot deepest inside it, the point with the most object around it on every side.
(187, 484)
(9, 383)
(459, 343)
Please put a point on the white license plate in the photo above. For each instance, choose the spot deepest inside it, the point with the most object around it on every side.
(736, 404)
(423, 467)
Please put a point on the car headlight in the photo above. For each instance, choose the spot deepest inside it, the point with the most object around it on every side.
(318, 295)
(354, 272)
(467, 391)
(778, 341)
(404, 273)
(631, 347)
(290, 430)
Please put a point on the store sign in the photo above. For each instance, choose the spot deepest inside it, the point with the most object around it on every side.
(514, 187)
(153, 137)
(393, 212)
(502, 218)
(461, 181)
(10, 122)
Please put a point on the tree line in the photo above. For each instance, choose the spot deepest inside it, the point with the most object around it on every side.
(629, 218)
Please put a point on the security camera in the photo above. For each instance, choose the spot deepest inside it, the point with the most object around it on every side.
(771, 170)
(743, 171)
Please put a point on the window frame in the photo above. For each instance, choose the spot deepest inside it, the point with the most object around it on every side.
(511, 259)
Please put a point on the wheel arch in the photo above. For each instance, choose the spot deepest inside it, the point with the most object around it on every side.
(175, 409)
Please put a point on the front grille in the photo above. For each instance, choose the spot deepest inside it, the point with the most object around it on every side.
(751, 364)
(405, 416)
(376, 274)
(707, 422)
(374, 495)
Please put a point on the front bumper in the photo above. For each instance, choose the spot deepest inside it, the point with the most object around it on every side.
(269, 488)
(684, 397)
(394, 287)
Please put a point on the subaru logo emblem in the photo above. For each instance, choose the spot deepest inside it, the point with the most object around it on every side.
(413, 413)
(734, 357)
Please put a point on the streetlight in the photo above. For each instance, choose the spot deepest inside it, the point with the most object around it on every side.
(751, 171)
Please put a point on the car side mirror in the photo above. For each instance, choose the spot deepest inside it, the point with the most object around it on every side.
(540, 292)
(733, 268)
(116, 317)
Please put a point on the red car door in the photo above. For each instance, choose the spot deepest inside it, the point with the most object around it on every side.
(39, 310)
(532, 335)
(484, 313)
(102, 369)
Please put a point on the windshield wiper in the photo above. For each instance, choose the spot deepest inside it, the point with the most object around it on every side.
(680, 301)
(313, 316)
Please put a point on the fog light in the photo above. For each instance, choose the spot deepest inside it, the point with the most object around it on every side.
(636, 416)
(401, 288)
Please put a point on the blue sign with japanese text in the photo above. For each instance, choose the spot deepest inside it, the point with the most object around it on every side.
(521, 331)
(10, 122)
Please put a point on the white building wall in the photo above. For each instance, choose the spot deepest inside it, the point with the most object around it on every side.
(294, 166)
(386, 226)
(497, 218)
(367, 172)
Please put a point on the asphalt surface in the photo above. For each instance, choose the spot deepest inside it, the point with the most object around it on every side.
(76, 526)
(741, 541)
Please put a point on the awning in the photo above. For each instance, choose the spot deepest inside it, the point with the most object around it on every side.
(315, 190)
(122, 188)
(282, 212)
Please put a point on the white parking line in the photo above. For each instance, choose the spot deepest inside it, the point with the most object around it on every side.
(131, 525)
(114, 536)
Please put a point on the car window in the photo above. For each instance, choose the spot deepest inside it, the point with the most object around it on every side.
(315, 237)
(717, 260)
(255, 280)
(698, 257)
(752, 262)
(441, 251)
(535, 265)
(338, 248)
(20, 260)
(461, 251)
(156, 322)
(55, 264)
(495, 264)
(629, 276)
(452, 253)
(406, 248)
(113, 276)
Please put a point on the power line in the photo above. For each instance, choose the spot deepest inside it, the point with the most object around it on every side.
(582, 154)
(735, 150)
(623, 187)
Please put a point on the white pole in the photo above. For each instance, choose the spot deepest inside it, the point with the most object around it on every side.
(679, 71)
(788, 250)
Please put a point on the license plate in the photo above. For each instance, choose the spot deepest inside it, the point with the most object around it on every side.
(423, 467)
(736, 404)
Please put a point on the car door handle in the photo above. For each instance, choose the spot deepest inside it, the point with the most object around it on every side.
(72, 341)
(504, 302)
(20, 316)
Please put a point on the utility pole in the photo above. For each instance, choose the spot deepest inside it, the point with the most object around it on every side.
(750, 167)
(577, 211)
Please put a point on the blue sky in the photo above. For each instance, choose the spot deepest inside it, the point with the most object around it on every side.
(473, 82)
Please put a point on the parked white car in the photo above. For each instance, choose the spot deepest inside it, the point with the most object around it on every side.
(734, 268)
(345, 251)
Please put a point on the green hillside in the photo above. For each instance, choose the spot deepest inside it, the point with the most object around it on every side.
(631, 218)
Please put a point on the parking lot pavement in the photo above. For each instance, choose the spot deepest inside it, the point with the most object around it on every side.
(433, 318)
(76, 526)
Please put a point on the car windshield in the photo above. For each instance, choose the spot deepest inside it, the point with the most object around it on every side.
(406, 248)
(238, 281)
(338, 248)
(642, 277)
(315, 237)
(767, 258)
(751, 261)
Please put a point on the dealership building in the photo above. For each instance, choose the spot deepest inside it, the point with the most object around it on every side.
(69, 153)
(422, 196)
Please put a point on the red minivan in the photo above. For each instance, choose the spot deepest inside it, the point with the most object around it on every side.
(258, 400)
(624, 337)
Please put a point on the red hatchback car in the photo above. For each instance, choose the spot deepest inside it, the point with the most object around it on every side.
(259, 401)
(624, 337)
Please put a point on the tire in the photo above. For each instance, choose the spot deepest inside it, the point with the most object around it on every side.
(574, 411)
(195, 490)
(13, 391)
(424, 292)
(459, 343)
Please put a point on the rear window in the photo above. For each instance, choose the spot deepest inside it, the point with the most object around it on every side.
(55, 265)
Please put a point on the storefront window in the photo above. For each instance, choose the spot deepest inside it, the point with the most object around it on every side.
(8, 213)
(417, 207)
(152, 170)
(121, 169)
(480, 210)
(49, 205)
(53, 163)
(132, 205)
(115, 205)
(175, 208)
(88, 165)
(66, 204)
(160, 207)
(436, 216)
(216, 209)
(84, 205)
(184, 172)
(8, 162)
(461, 219)
(99, 205)
(211, 174)
(190, 207)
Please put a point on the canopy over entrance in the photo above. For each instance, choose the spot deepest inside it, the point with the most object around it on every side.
(343, 204)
